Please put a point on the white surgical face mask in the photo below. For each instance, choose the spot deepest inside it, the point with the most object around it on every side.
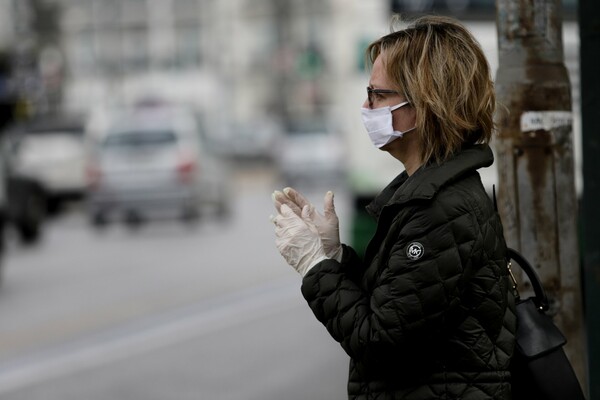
(378, 122)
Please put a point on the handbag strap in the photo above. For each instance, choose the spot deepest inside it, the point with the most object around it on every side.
(540, 299)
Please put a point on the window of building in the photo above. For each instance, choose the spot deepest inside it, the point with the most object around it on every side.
(134, 12)
(107, 13)
(107, 52)
(187, 44)
(186, 11)
(135, 48)
(80, 52)
(78, 16)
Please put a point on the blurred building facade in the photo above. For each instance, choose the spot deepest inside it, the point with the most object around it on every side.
(240, 59)
(32, 63)
(230, 59)
(235, 62)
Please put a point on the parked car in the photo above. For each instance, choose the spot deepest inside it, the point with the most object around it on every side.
(248, 141)
(310, 150)
(152, 162)
(48, 153)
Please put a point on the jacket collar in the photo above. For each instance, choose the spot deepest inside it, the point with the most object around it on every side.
(427, 180)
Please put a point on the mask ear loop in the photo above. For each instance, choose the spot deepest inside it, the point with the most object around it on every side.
(394, 108)
(397, 106)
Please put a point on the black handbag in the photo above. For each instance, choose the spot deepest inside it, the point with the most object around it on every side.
(540, 369)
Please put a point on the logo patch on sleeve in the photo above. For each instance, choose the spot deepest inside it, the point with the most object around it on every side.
(415, 250)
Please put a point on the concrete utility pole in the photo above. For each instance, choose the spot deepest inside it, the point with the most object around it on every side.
(536, 193)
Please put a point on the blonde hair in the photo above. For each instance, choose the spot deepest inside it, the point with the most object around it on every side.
(437, 64)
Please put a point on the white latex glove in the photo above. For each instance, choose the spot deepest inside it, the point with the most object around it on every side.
(326, 224)
(300, 246)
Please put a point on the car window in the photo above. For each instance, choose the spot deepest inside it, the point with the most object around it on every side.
(53, 126)
(68, 131)
(307, 127)
(143, 139)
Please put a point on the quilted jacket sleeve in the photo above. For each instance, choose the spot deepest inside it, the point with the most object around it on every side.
(405, 302)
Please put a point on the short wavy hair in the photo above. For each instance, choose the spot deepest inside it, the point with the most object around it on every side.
(442, 71)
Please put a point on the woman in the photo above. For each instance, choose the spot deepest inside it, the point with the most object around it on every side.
(427, 313)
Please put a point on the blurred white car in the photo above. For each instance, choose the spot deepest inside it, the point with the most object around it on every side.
(50, 152)
(152, 162)
(248, 141)
(310, 151)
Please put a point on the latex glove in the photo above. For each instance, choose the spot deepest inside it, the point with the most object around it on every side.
(300, 246)
(326, 224)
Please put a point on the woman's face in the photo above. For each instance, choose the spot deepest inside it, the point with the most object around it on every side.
(403, 118)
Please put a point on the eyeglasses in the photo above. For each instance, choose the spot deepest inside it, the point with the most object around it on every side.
(371, 92)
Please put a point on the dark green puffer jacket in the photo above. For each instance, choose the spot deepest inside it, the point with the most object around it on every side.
(428, 313)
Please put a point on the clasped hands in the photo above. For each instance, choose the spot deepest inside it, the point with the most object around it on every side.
(303, 236)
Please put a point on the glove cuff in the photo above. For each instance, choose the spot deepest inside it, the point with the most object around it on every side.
(337, 254)
(314, 263)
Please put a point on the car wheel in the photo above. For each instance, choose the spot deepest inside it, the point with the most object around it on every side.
(190, 215)
(29, 224)
(223, 210)
(98, 220)
(53, 206)
(223, 203)
(133, 219)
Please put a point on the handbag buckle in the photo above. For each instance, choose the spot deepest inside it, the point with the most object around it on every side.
(514, 281)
